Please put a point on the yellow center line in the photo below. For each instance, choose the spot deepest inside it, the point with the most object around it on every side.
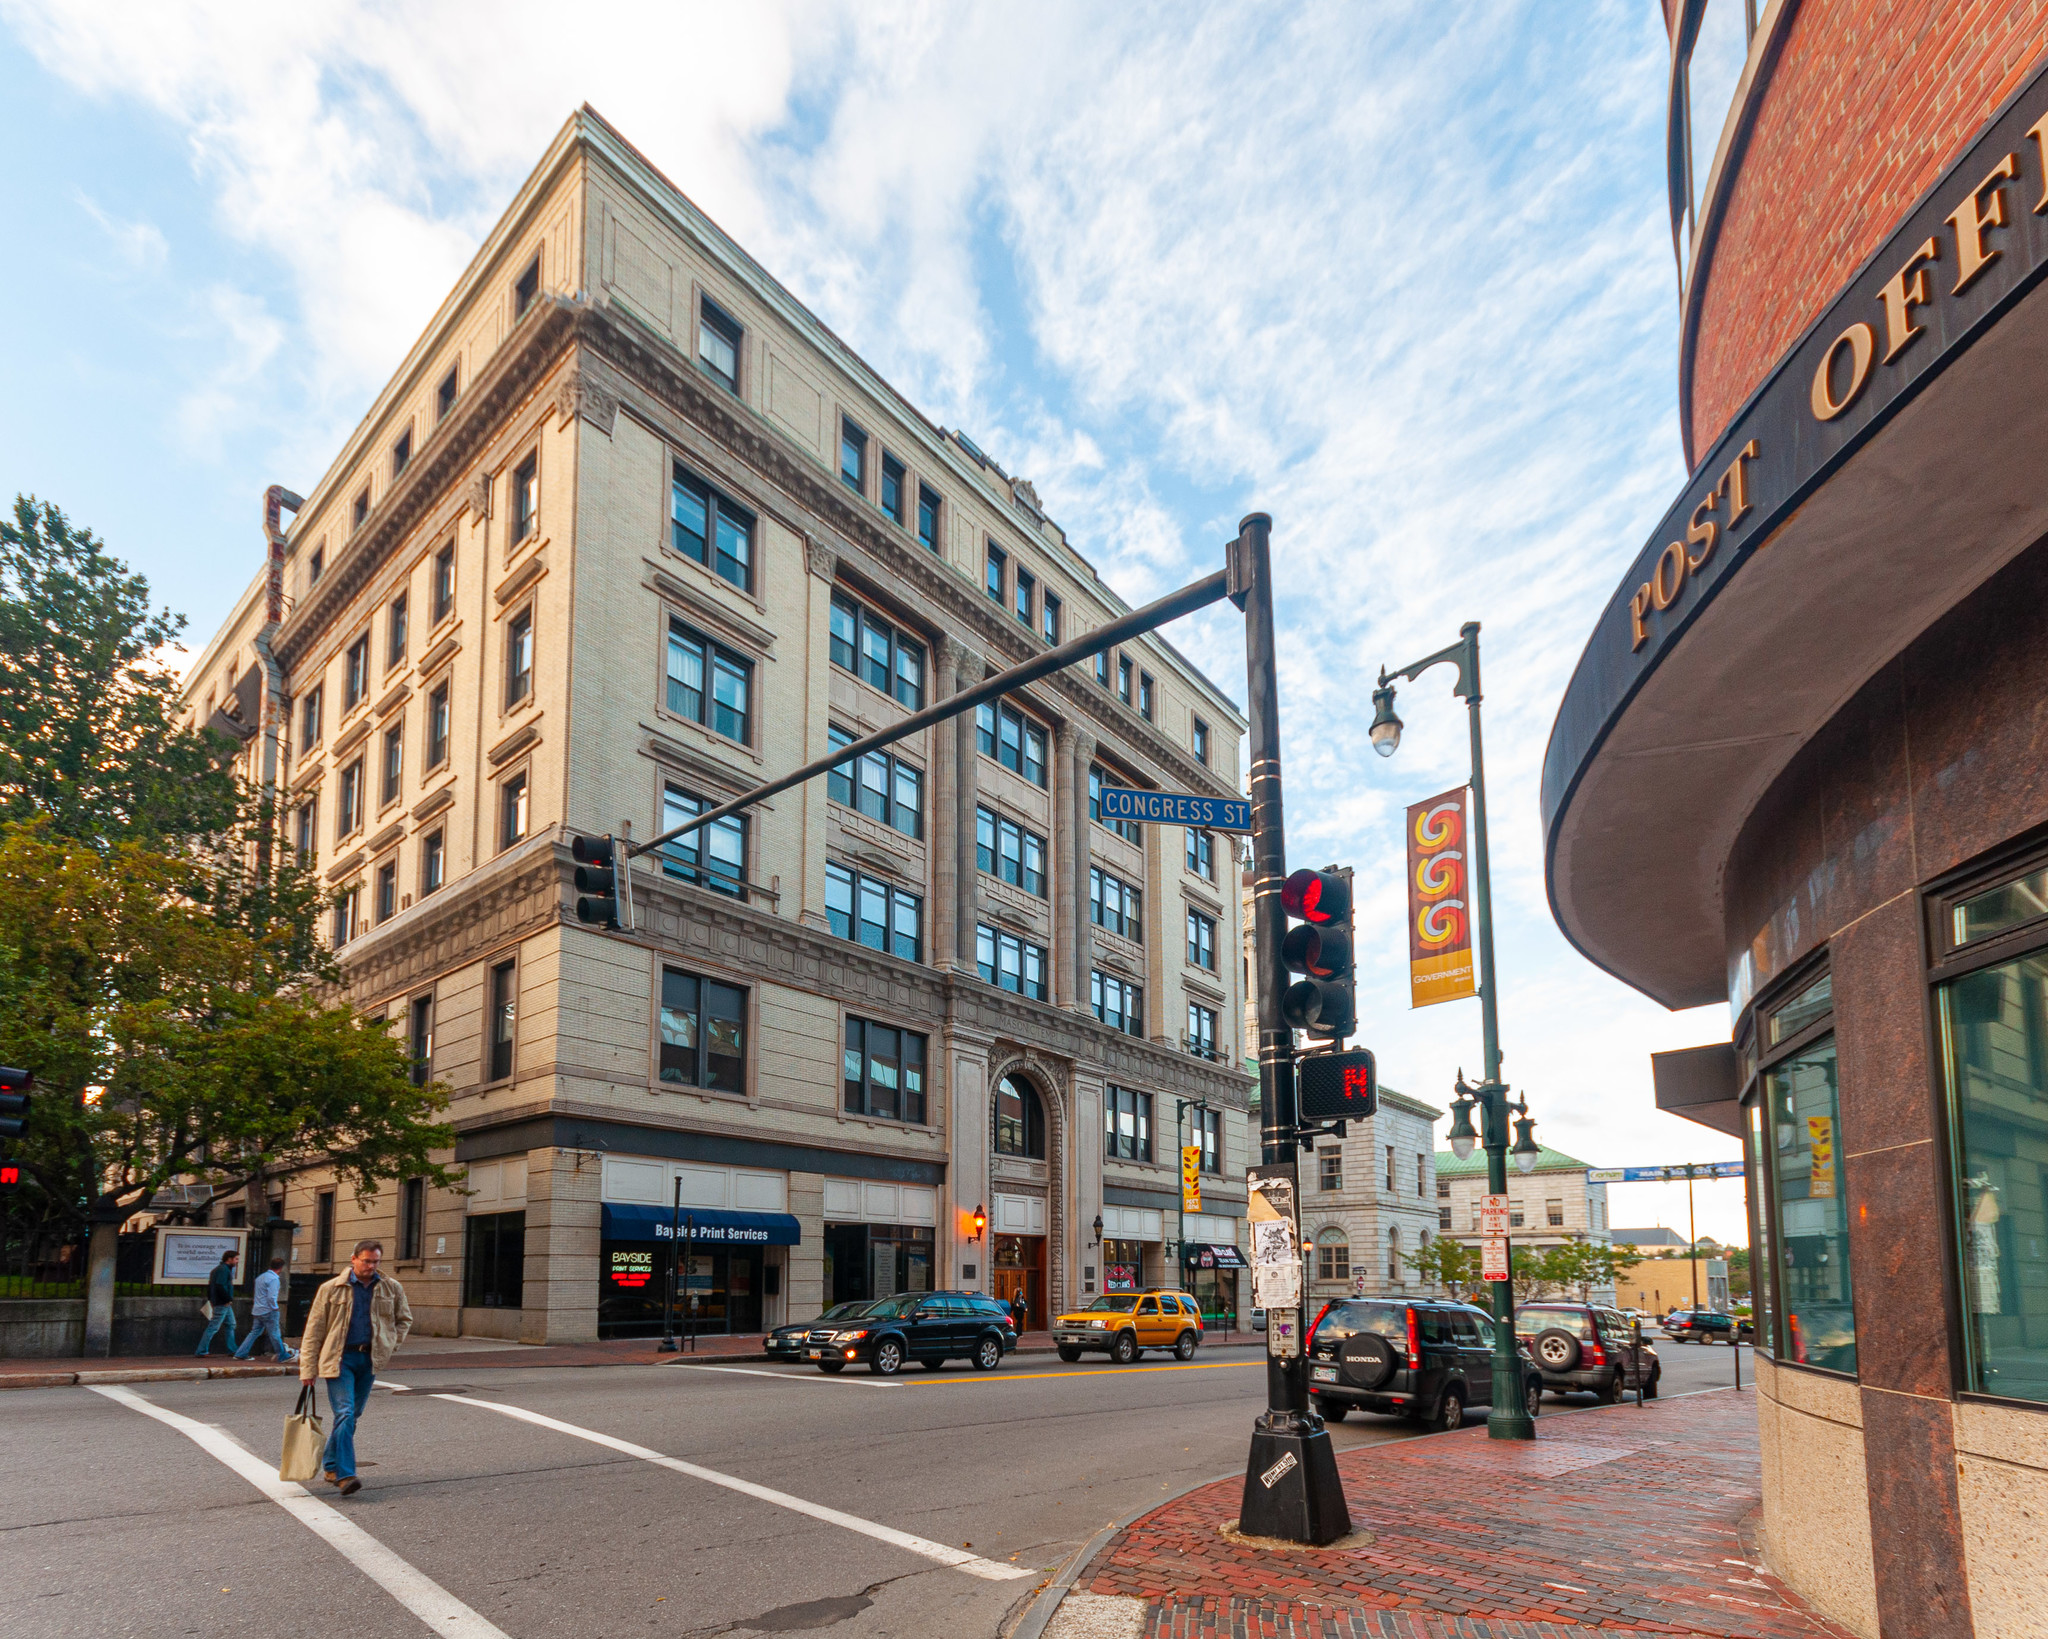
(1096, 1371)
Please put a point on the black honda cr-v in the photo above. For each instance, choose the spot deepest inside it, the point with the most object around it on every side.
(928, 1327)
(1426, 1359)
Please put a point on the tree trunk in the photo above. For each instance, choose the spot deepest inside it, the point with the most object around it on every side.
(99, 1289)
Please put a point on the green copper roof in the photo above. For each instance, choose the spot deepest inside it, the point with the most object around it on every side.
(1547, 1160)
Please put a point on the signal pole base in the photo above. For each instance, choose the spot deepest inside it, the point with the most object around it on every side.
(1291, 1491)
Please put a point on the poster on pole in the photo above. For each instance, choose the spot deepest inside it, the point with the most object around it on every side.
(1271, 1214)
(1439, 906)
(1191, 1178)
(1493, 1258)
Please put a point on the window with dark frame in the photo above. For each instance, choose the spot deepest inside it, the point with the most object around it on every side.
(1147, 690)
(1201, 742)
(1127, 1124)
(713, 856)
(1129, 830)
(444, 395)
(395, 634)
(882, 786)
(502, 1021)
(433, 861)
(355, 674)
(308, 840)
(724, 707)
(348, 914)
(853, 457)
(412, 1215)
(323, 1226)
(401, 453)
(525, 498)
(386, 898)
(1012, 739)
(1206, 1132)
(883, 1071)
(709, 527)
(1202, 1031)
(420, 1034)
(1123, 680)
(494, 1260)
(1102, 667)
(997, 559)
(1020, 1120)
(438, 718)
(1202, 940)
(718, 342)
(316, 563)
(892, 486)
(444, 583)
(1010, 962)
(877, 652)
(348, 811)
(1329, 1169)
(394, 763)
(309, 718)
(1114, 904)
(1118, 1003)
(1201, 854)
(703, 1033)
(359, 513)
(1027, 592)
(1050, 627)
(928, 516)
(874, 913)
(513, 815)
(519, 658)
(527, 288)
(1009, 852)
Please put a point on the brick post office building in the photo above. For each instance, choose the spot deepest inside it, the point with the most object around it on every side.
(628, 532)
(1802, 767)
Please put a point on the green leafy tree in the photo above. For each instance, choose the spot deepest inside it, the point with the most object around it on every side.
(89, 739)
(1447, 1263)
(1571, 1268)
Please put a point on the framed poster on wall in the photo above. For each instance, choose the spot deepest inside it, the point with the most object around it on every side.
(186, 1257)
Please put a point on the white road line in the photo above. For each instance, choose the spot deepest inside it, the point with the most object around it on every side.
(780, 1377)
(973, 1564)
(417, 1592)
(395, 1388)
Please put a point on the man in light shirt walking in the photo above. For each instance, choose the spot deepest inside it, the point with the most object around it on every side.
(264, 1317)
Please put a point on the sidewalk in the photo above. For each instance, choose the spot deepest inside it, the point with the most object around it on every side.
(1625, 1520)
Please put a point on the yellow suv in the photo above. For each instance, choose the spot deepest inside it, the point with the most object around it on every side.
(1126, 1324)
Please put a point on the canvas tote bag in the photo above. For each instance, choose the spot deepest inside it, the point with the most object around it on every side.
(303, 1439)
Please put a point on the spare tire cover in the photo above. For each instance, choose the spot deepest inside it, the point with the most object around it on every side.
(1367, 1360)
(1556, 1350)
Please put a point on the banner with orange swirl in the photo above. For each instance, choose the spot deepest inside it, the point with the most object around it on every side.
(1439, 907)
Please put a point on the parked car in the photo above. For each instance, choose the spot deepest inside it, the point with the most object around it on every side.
(1428, 1360)
(928, 1327)
(1125, 1324)
(1700, 1326)
(1258, 1320)
(787, 1342)
(1582, 1348)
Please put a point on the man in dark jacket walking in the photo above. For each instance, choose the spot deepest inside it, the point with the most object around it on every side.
(220, 1292)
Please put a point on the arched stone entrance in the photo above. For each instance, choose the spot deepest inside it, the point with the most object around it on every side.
(1029, 1140)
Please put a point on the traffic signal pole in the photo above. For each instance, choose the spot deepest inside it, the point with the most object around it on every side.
(1291, 1490)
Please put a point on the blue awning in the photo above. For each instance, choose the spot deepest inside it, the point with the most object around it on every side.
(711, 1225)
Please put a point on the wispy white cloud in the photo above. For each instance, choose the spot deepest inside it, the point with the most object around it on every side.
(139, 247)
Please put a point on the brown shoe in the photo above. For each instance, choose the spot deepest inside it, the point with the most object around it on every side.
(350, 1486)
(330, 1476)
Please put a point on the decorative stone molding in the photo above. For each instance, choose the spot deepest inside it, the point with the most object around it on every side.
(515, 742)
(478, 497)
(823, 561)
(1055, 1092)
(580, 395)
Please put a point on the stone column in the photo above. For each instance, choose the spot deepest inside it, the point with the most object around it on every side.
(1081, 952)
(1066, 839)
(807, 903)
(945, 816)
(966, 791)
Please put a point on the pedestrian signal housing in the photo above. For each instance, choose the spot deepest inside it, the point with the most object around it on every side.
(597, 880)
(1324, 1001)
(14, 1087)
(1337, 1086)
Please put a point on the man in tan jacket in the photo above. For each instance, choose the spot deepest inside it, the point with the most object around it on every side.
(357, 1319)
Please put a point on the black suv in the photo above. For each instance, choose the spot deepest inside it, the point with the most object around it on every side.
(928, 1327)
(1428, 1360)
(1700, 1326)
(1582, 1348)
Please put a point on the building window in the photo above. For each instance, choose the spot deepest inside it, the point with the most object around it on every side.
(348, 914)
(703, 1032)
(444, 395)
(718, 343)
(1050, 626)
(1201, 854)
(315, 565)
(1421, 1175)
(1443, 1189)
(1010, 963)
(387, 890)
(355, 674)
(308, 821)
(412, 1213)
(1443, 1218)
(348, 812)
(1117, 1003)
(513, 814)
(1127, 1124)
(519, 659)
(709, 527)
(724, 707)
(1012, 739)
(1394, 1254)
(494, 1260)
(877, 915)
(323, 1227)
(501, 1021)
(1123, 681)
(1202, 940)
(879, 785)
(1329, 1169)
(1027, 591)
(359, 513)
(437, 727)
(309, 718)
(1020, 1120)
(401, 452)
(1333, 1255)
(1114, 904)
(1102, 667)
(421, 1033)
(1202, 1031)
(528, 287)
(395, 634)
(444, 583)
(1129, 830)
(713, 856)
(433, 862)
(853, 457)
(884, 1071)
(1390, 1166)
(892, 486)
(876, 652)
(996, 560)
(1553, 1214)
(1201, 739)
(928, 517)
(1004, 849)
(1146, 691)
(1206, 1133)
(1514, 1215)
(525, 498)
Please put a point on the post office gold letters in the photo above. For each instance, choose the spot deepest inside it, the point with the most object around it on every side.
(1862, 344)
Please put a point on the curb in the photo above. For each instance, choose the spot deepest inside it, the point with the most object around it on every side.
(142, 1374)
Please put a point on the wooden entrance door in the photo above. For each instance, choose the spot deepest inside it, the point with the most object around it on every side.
(1020, 1267)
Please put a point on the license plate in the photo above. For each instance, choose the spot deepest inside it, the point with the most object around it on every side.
(1323, 1374)
(814, 1354)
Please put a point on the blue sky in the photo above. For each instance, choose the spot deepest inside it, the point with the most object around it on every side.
(1397, 274)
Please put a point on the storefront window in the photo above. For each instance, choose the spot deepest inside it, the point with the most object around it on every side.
(1761, 1261)
(494, 1261)
(877, 1260)
(1123, 1265)
(1994, 1026)
(1812, 1222)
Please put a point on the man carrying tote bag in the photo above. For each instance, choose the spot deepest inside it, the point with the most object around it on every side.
(303, 1438)
(357, 1320)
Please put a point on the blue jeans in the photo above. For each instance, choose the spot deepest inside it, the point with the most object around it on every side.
(347, 1395)
(223, 1316)
(262, 1326)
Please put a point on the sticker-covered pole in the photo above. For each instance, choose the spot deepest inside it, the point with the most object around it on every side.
(1291, 1490)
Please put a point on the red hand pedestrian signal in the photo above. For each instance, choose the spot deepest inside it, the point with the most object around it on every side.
(1337, 1086)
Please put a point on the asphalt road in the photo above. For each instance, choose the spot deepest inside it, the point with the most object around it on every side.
(798, 1501)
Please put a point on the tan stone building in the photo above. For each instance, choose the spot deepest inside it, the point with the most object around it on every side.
(630, 531)
(1368, 1200)
(1555, 1201)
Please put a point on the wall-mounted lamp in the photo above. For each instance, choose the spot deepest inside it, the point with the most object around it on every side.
(980, 1223)
(1098, 1231)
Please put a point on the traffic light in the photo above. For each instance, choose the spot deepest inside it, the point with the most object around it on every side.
(597, 880)
(1324, 1001)
(1336, 1086)
(14, 1086)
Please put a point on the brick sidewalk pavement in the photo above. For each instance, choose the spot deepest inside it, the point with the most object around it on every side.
(1621, 1519)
